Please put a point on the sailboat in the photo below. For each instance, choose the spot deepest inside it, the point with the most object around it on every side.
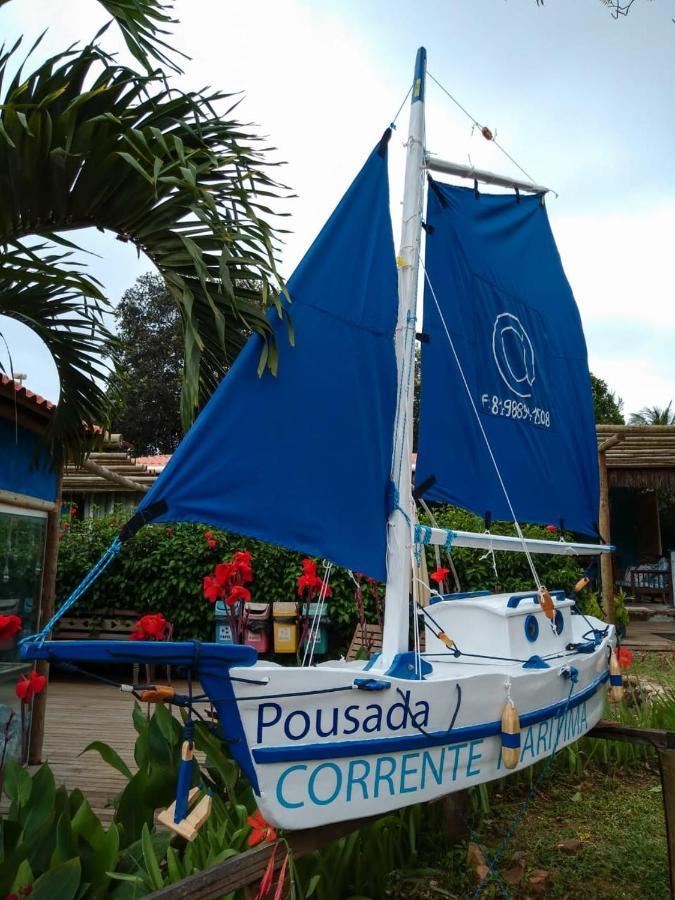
(318, 459)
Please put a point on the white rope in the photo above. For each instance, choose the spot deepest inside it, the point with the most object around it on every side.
(477, 125)
(315, 625)
(323, 593)
(519, 531)
(493, 558)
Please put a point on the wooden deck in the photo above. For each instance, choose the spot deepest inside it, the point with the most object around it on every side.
(79, 712)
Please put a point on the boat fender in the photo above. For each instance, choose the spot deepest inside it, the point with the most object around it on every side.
(581, 584)
(546, 602)
(510, 736)
(371, 684)
(615, 679)
(159, 693)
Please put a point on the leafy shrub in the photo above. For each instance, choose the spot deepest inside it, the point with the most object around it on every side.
(475, 568)
(589, 604)
(162, 567)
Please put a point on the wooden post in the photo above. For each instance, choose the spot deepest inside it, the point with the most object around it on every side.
(667, 765)
(606, 567)
(47, 600)
(456, 809)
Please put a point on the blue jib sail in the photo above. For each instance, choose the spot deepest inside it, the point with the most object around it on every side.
(497, 276)
(303, 459)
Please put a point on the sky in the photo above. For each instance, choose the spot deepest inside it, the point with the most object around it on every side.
(584, 103)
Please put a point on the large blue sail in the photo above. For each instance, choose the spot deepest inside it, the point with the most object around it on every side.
(497, 276)
(303, 459)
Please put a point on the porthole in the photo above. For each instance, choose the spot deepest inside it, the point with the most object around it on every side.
(531, 628)
(559, 622)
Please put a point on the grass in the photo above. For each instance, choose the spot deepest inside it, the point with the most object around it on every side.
(659, 667)
(604, 794)
(618, 820)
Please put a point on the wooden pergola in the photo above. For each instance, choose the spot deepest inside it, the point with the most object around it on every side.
(639, 456)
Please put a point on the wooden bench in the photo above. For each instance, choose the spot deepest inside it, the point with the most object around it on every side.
(373, 640)
(115, 627)
(648, 581)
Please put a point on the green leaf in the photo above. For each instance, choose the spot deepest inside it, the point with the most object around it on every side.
(24, 877)
(110, 756)
(17, 783)
(151, 863)
(59, 883)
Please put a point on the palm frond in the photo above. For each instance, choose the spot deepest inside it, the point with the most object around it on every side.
(654, 415)
(66, 310)
(143, 23)
(85, 142)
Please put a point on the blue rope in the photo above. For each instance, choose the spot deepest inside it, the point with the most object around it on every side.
(423, 535)
(517, 819)
(91, 576)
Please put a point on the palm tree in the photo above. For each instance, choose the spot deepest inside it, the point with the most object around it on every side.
(654, 415)
(86, 142)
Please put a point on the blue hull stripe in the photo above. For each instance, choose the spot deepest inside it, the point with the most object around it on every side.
(344, 749)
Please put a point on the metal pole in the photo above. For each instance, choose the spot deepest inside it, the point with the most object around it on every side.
(395, 631)
(606, 569)
(435, 164)
(47, 602)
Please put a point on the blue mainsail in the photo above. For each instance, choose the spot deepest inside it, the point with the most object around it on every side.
(303, 459)
(497, 276)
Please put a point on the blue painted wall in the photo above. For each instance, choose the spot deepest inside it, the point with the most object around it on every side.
(19, 472)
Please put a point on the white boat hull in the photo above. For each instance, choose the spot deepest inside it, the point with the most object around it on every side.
(324, 749)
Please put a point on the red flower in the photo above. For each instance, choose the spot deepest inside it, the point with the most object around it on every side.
(224, 572)
(242, 564)
(260, 830)
(153, 625)
(439, 575)
(624, 657)
(26, 890)
(310, 581)
(238, 593)
(211, 543)
(170, 532)
(27, 688)
(212, 590)
(72, 511)
(208, 535)
(551, 528)
(9, 625)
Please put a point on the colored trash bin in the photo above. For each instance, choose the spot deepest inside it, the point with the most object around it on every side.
(317, 633)
(257, 633)
(285, 616)
(223, 623)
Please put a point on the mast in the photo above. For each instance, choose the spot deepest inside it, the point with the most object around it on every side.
(395, 632)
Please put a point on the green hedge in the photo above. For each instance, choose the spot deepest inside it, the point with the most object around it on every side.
(162, 567)
(513, 573)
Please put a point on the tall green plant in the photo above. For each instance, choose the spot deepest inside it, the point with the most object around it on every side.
(85, 142)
